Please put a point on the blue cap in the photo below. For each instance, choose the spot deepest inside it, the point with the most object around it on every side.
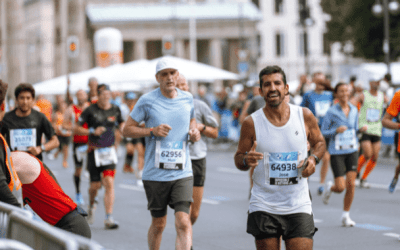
(130, 96)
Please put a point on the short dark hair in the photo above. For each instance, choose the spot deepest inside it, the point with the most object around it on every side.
(353, 78)
(24, 87)
(388, 77)
(102, 87)
(338, 85)
(272, 70)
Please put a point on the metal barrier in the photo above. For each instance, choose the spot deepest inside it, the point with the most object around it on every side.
(38, 235)
(5, 211)
(7, 244)
(18, 224)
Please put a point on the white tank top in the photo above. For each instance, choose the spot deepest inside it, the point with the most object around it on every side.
(278, 187)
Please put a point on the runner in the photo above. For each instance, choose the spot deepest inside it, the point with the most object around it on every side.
(9, 181)
(340, 125)
(63, 134)
(79, 146)
(393, 112)
(170, 123)
(23, 127)
(319, 101)
(208, 126)
(43, 194)
(133, 144)
(279, 133)
(371, 111)
(102, 118)
(93, 83)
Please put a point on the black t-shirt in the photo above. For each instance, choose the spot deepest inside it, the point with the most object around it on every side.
(96, 117)
(22, 132)
(5, 193)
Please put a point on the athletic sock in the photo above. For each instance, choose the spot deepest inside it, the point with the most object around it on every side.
(128, 159)
(370, 166)
(346, 214)
(108, 216)
(361, 162)
(77, 181)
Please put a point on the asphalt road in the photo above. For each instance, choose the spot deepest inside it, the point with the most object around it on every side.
(222, 221)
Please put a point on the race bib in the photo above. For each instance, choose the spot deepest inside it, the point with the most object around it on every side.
(346, 140)
(373, 115)
(105, 156)
(321, 107)
(81, 152)
(22, 139)
(281, 168)
(170, 155)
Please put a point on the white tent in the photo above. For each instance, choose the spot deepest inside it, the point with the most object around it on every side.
(132, 76)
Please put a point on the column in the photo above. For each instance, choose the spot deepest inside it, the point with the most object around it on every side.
(180, 48)
(140, 50)
(216, 58)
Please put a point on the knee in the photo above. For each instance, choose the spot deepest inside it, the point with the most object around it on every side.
(95, 186)
(159, 225)
(183, 225)
(374, 158)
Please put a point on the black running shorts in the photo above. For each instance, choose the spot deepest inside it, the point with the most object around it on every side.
(263, 225)
(341, 164)
(199, 172)
(177, 194)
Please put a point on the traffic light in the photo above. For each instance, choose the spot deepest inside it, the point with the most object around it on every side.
(168, 45)
(73, 46)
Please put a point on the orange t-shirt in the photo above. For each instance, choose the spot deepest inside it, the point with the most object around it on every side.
(45, 107)
(394, 109)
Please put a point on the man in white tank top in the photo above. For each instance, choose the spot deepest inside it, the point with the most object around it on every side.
(273, 141)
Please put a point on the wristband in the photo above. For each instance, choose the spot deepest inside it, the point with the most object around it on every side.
(91, 131)
(244, 160)
(43, 148)
(317, 160)
(151, 133)
(204, 128)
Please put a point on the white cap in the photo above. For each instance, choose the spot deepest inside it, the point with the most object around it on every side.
(375, 78)
(165, 63)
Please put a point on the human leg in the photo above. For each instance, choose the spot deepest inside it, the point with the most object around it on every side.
(299, 243)
(376, 146)
(195, 208)
(154, 236)
(268, 244)
(183, 228)
(128, 158)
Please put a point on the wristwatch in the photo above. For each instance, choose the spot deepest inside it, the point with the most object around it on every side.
(317, 160)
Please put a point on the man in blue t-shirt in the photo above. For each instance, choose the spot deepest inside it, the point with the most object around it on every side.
(170, 125)
(319, 101)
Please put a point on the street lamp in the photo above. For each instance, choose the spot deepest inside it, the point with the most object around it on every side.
(393, 8)
(305, 22)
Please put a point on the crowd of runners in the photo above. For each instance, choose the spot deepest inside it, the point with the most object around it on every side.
(165, 135)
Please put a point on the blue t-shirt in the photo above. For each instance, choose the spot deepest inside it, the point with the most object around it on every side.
(343, 143)
(318, 103)
(155, 109)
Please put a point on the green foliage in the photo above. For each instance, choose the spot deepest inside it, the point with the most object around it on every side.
(353, 21)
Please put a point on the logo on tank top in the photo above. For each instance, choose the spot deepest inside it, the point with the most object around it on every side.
(296, 133)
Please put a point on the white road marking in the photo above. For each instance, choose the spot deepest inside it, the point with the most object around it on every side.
(212, 202)
(392, 235)
(131, 187)
(373, 185)
(318, 221)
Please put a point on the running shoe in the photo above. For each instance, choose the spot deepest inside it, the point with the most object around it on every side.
(347, 222)
(327, 192)
(127, 169)
(91, 211)
(392, 185)
(320, 190)
(109, 223)
(79, 199)
(364, 184)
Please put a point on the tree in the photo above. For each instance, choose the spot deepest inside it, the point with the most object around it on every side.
(353, 21)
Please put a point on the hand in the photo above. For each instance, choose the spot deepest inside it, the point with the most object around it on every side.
(194, 135)
(3, 90)
(364, 128)
(253, 156)
(341, 129)
(99, 131)
(35, 150)
(162, 130)
(308, 168)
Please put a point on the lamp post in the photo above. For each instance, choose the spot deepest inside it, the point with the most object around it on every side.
(305, 22)
(378, 9)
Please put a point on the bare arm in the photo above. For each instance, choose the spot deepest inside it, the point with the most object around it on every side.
(388, 123)
(68, 123)
(194, 133)
(246, 156)
(133, 130)
(52, 143)
(316, 140)
(244, 113)
(207, 131)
